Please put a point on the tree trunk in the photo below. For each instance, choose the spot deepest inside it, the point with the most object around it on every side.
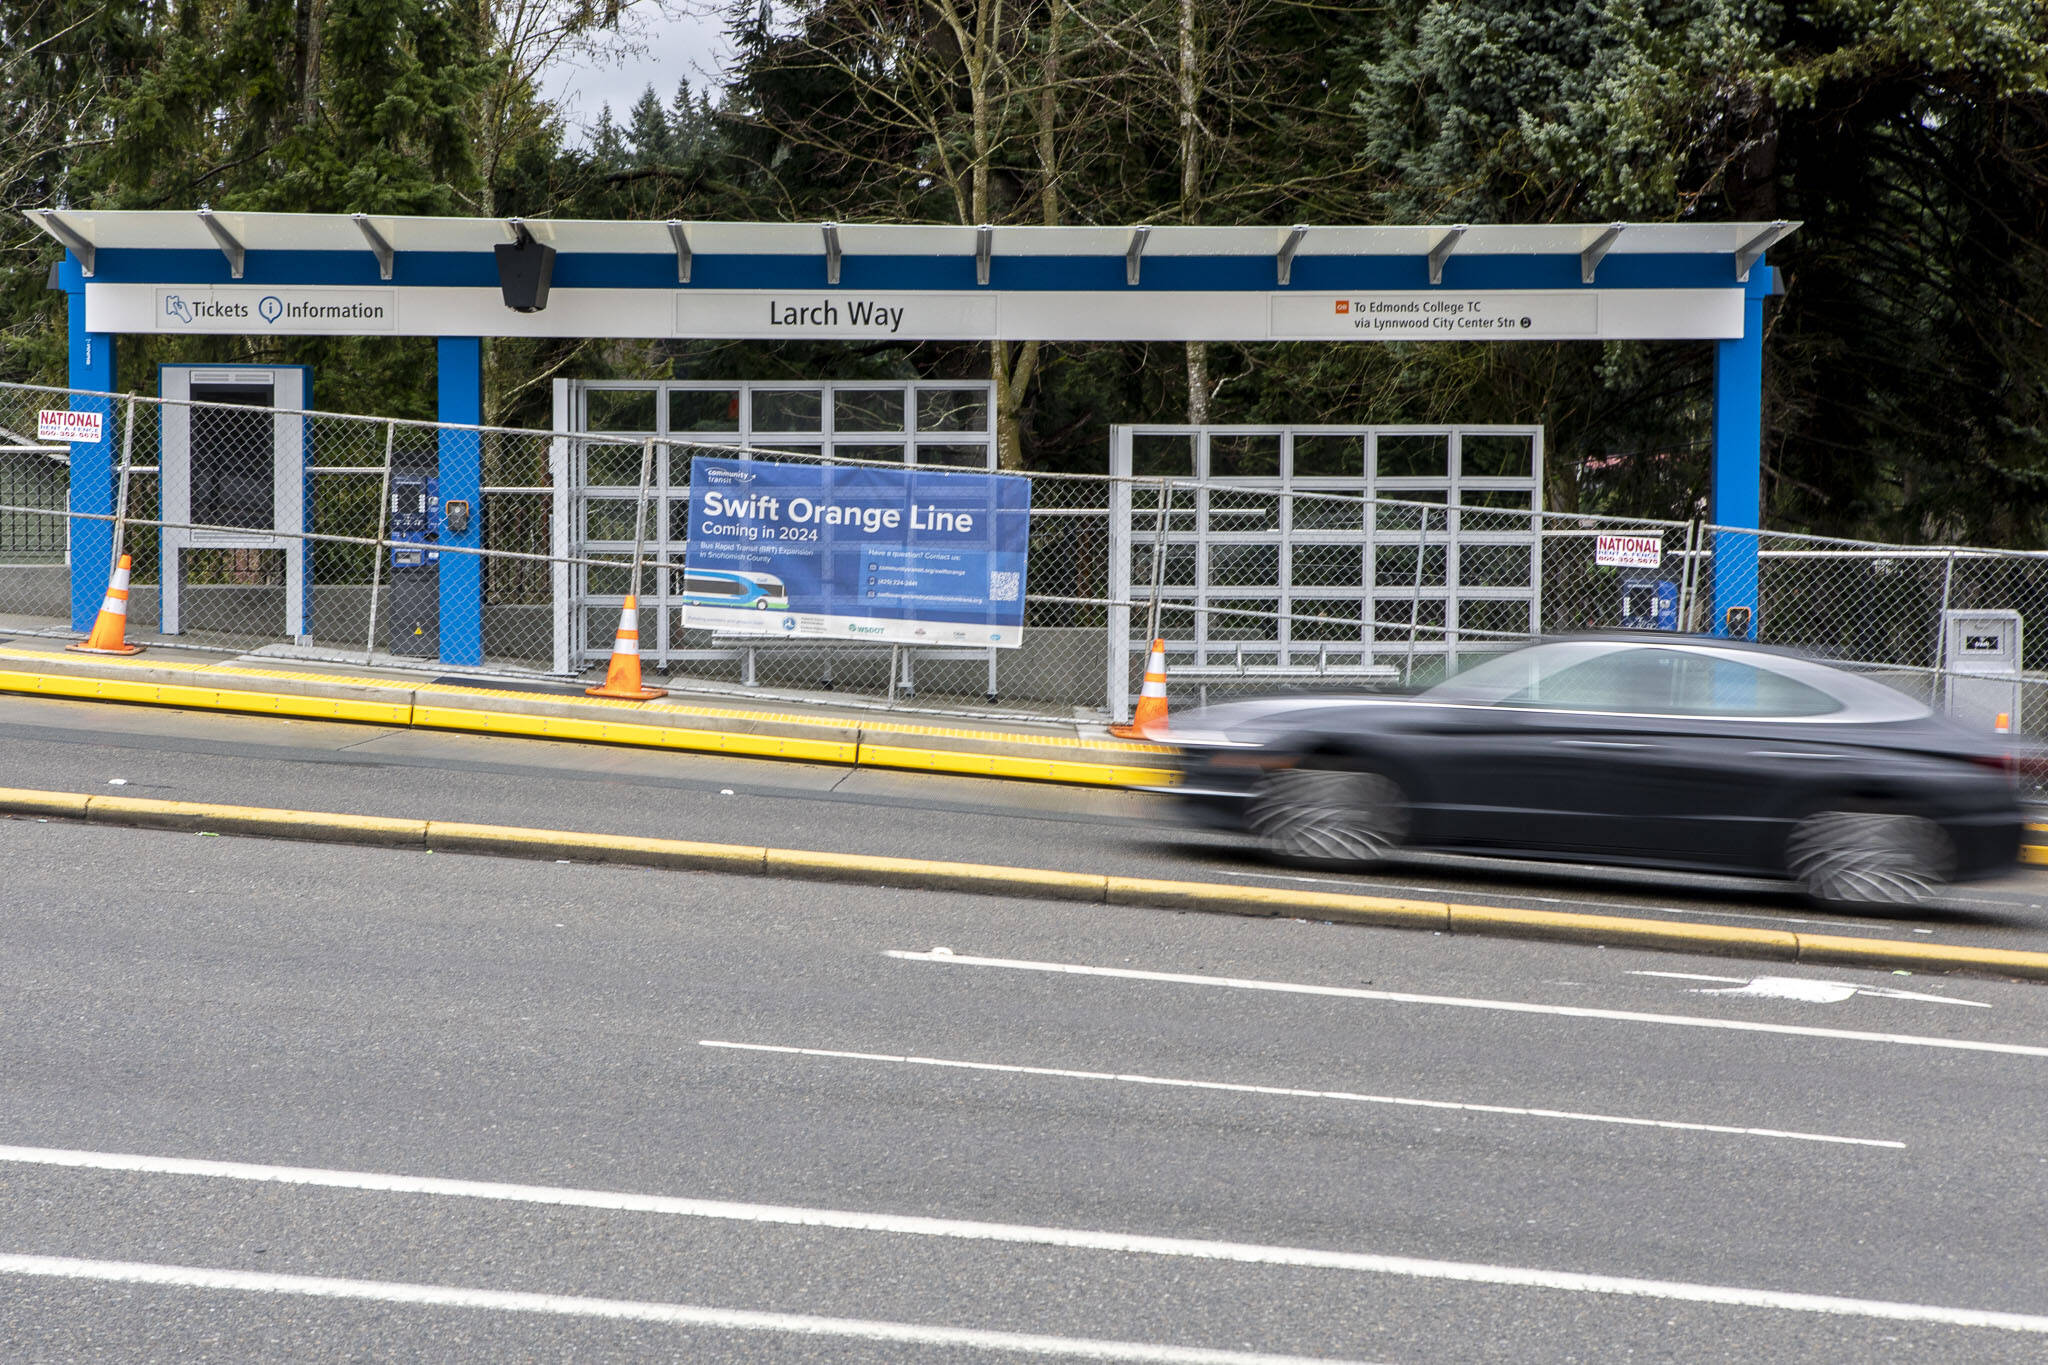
(1190, 191)
(310, 16)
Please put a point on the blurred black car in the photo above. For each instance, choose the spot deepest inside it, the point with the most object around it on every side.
(1671, 751)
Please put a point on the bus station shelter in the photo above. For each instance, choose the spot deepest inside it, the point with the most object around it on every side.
(462, 280)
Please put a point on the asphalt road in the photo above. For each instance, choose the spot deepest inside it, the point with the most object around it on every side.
(803, 1122)
(200, 756)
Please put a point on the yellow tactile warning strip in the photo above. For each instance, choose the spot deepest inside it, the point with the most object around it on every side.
(212, 687)
(1038, 883)
(240, 670)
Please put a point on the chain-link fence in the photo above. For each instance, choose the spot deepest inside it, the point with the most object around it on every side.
(1252, 588)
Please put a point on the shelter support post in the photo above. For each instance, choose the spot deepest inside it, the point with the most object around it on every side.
(460, 362)
(92, 462)
(1738, 466)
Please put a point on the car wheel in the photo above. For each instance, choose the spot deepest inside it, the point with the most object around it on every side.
(1329, 815)
(1861, 857)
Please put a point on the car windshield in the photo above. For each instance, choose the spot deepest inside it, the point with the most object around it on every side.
(1638, 679)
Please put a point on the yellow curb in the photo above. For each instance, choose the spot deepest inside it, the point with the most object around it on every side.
(1925, 957)
(1625, 932)
(644, 736)
(322, 826)
(450, 836)
(209, 698)
(22, 801)
(1224, 898)
(988, 878)
(1003, 765)
(2033, 854)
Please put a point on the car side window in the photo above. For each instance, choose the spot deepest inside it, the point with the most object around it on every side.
(1710, 686)
(1638, 680)
(1667, 682)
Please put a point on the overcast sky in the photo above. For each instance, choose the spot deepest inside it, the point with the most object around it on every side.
(690, 46)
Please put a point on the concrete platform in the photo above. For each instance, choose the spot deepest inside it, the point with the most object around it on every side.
(283, 681)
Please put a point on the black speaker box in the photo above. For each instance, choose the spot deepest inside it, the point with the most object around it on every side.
(525, 269)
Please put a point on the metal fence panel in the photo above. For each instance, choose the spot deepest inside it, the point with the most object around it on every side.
(1277, 563)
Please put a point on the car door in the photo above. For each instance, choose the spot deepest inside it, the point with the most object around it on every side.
(1670, 755)
(1595, 741)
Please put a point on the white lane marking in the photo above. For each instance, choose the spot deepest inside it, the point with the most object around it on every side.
(1462, 1002)
(1811, 989)
(668, 1314)
(1241, 1253)
(1289, 1092)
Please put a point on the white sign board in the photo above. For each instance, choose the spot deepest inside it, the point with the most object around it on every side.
(914, 315)
(56, 424)
(1628, 552)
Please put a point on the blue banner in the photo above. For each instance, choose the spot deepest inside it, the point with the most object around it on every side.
(913, 556)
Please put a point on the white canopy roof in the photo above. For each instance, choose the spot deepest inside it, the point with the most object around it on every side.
(87, 231)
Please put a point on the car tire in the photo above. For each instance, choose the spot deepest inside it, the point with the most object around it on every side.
(1854, 858)
(1329, 815)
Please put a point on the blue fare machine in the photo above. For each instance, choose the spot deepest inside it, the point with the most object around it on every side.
(417, 521)
(1648, 603)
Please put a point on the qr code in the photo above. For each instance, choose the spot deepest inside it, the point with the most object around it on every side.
(1002, 585)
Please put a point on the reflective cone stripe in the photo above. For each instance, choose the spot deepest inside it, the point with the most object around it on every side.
(1151, 711)
(627, 641)
(622, 675)
(110, 628)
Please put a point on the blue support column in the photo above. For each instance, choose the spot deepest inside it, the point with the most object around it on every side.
(1738, 462)
(92, 464)
(461, 370)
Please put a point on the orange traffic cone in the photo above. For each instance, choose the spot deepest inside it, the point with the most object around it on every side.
(108, 631)
(1151, 712)
(622, 677)
(2003, 725)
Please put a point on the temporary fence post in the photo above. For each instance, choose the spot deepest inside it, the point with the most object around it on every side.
(121, 495)
(1941, 684)
(1415, 601)
(1688, 575)
(1160, 516)
(377, 553)
(640, 509)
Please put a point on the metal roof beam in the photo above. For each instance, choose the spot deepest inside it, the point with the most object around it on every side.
(1134, 251)
(1589, 259)
(386, 256)
(67, 236)
(1284, 262)
(831, 233)
(984, 252)
(680, 235)
(1752, 251)
(229, 247)
(1441, 252)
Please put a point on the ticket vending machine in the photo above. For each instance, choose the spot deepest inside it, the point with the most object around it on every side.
(1648, 603)
(413, 615)
(234, 475)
